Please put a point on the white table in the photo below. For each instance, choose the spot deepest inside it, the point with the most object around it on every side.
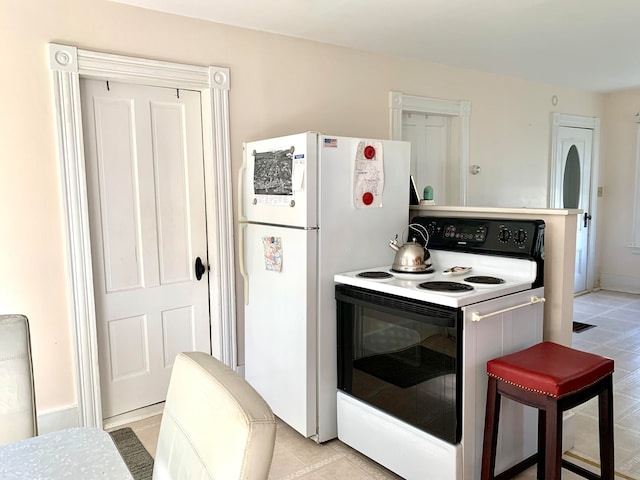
(78, 453)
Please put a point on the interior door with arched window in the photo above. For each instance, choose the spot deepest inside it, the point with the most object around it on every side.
(574, 147)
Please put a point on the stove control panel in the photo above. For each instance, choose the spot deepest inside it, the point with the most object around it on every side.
(473, 233)
(510, 237)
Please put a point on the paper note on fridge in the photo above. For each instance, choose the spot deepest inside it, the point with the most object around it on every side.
(297, 177)
(368, 175)
(272, 253)
(273, 177)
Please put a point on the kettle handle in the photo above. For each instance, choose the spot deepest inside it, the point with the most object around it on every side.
(422, 230)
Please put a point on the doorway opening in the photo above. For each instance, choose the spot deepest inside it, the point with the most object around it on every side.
(438, 131)
(573, 184)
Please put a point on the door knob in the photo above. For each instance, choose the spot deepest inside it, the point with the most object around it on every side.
(587, 217)
(200, 268)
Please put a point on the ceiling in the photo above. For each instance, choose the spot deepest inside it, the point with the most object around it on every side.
(583, 44)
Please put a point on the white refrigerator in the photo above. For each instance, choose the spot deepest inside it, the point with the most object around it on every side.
(310, 206)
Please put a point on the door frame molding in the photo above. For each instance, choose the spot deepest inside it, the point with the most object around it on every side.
(68, 64)
(555, 177)
(400, 103)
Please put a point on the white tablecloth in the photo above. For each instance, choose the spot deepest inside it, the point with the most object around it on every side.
(78, 453)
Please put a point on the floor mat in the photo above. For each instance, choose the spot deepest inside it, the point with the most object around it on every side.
(581, 327)
(138, 460)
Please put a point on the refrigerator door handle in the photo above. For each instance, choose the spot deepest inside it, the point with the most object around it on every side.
(243, 168)
(243, 271)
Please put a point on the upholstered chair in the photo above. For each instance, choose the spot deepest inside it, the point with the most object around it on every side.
(17, 397)
(214, 425)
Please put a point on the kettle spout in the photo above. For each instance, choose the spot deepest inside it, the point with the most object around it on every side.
(394, 245)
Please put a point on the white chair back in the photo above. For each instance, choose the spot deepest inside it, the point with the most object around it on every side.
(17, 396)
(214, 425)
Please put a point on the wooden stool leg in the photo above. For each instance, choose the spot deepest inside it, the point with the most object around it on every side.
(605, 422)
(553, 436)
(542, 421)
(491, 420)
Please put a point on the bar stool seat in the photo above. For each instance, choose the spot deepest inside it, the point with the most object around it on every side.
(552, 378)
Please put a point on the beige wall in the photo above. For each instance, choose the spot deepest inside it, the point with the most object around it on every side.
(278, 85)
(619, 269)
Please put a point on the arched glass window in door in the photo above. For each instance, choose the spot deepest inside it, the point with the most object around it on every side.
(571, 181)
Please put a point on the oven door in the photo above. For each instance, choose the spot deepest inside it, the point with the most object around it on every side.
(403, 357)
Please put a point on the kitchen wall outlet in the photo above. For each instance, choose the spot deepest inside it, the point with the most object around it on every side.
(600, 189)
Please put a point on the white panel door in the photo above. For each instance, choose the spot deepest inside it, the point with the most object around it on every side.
(429, 137)
(145, 183)
(280, 320)
(574, 149)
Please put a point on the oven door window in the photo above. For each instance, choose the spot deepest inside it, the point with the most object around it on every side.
(402, 357)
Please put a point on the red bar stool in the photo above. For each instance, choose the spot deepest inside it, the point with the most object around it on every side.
(551, 378)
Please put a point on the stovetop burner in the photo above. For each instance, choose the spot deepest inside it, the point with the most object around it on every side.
(375, 275)
(419, 272)
(484, 280)
(446, 287)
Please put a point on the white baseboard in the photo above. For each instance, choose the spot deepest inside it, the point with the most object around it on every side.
(620, 283)
(59, 419)
(67, 417)
(133, 416)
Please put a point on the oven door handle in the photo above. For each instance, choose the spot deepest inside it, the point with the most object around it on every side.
(476, 317)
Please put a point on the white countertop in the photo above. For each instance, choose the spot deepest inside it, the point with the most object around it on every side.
(560, 248)
(496, 210)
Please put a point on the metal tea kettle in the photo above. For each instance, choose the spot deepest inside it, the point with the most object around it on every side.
(412, 257)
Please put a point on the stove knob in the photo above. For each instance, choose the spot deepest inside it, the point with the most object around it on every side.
(504, 235)
(520, 236)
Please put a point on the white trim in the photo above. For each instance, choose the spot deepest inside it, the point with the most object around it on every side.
(68, 64)
(134, 416)
(400, 103)
(635, 221)
(58, 419)
(555, 177)
(620, 283)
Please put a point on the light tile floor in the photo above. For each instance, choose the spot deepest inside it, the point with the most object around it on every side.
(617, 335)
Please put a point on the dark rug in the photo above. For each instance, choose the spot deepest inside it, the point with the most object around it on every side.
(581, 327)
(408, 367)
(138, 460)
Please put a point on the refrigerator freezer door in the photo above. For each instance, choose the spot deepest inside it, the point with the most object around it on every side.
(278, 181)
(280, 321)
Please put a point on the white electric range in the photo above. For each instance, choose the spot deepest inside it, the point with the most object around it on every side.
(412, 347)
(481, 277)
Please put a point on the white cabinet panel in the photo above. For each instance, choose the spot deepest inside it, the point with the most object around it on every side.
(119, 193)
(128, 345)
(484, 340)
(178, 333)
(172, 196)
